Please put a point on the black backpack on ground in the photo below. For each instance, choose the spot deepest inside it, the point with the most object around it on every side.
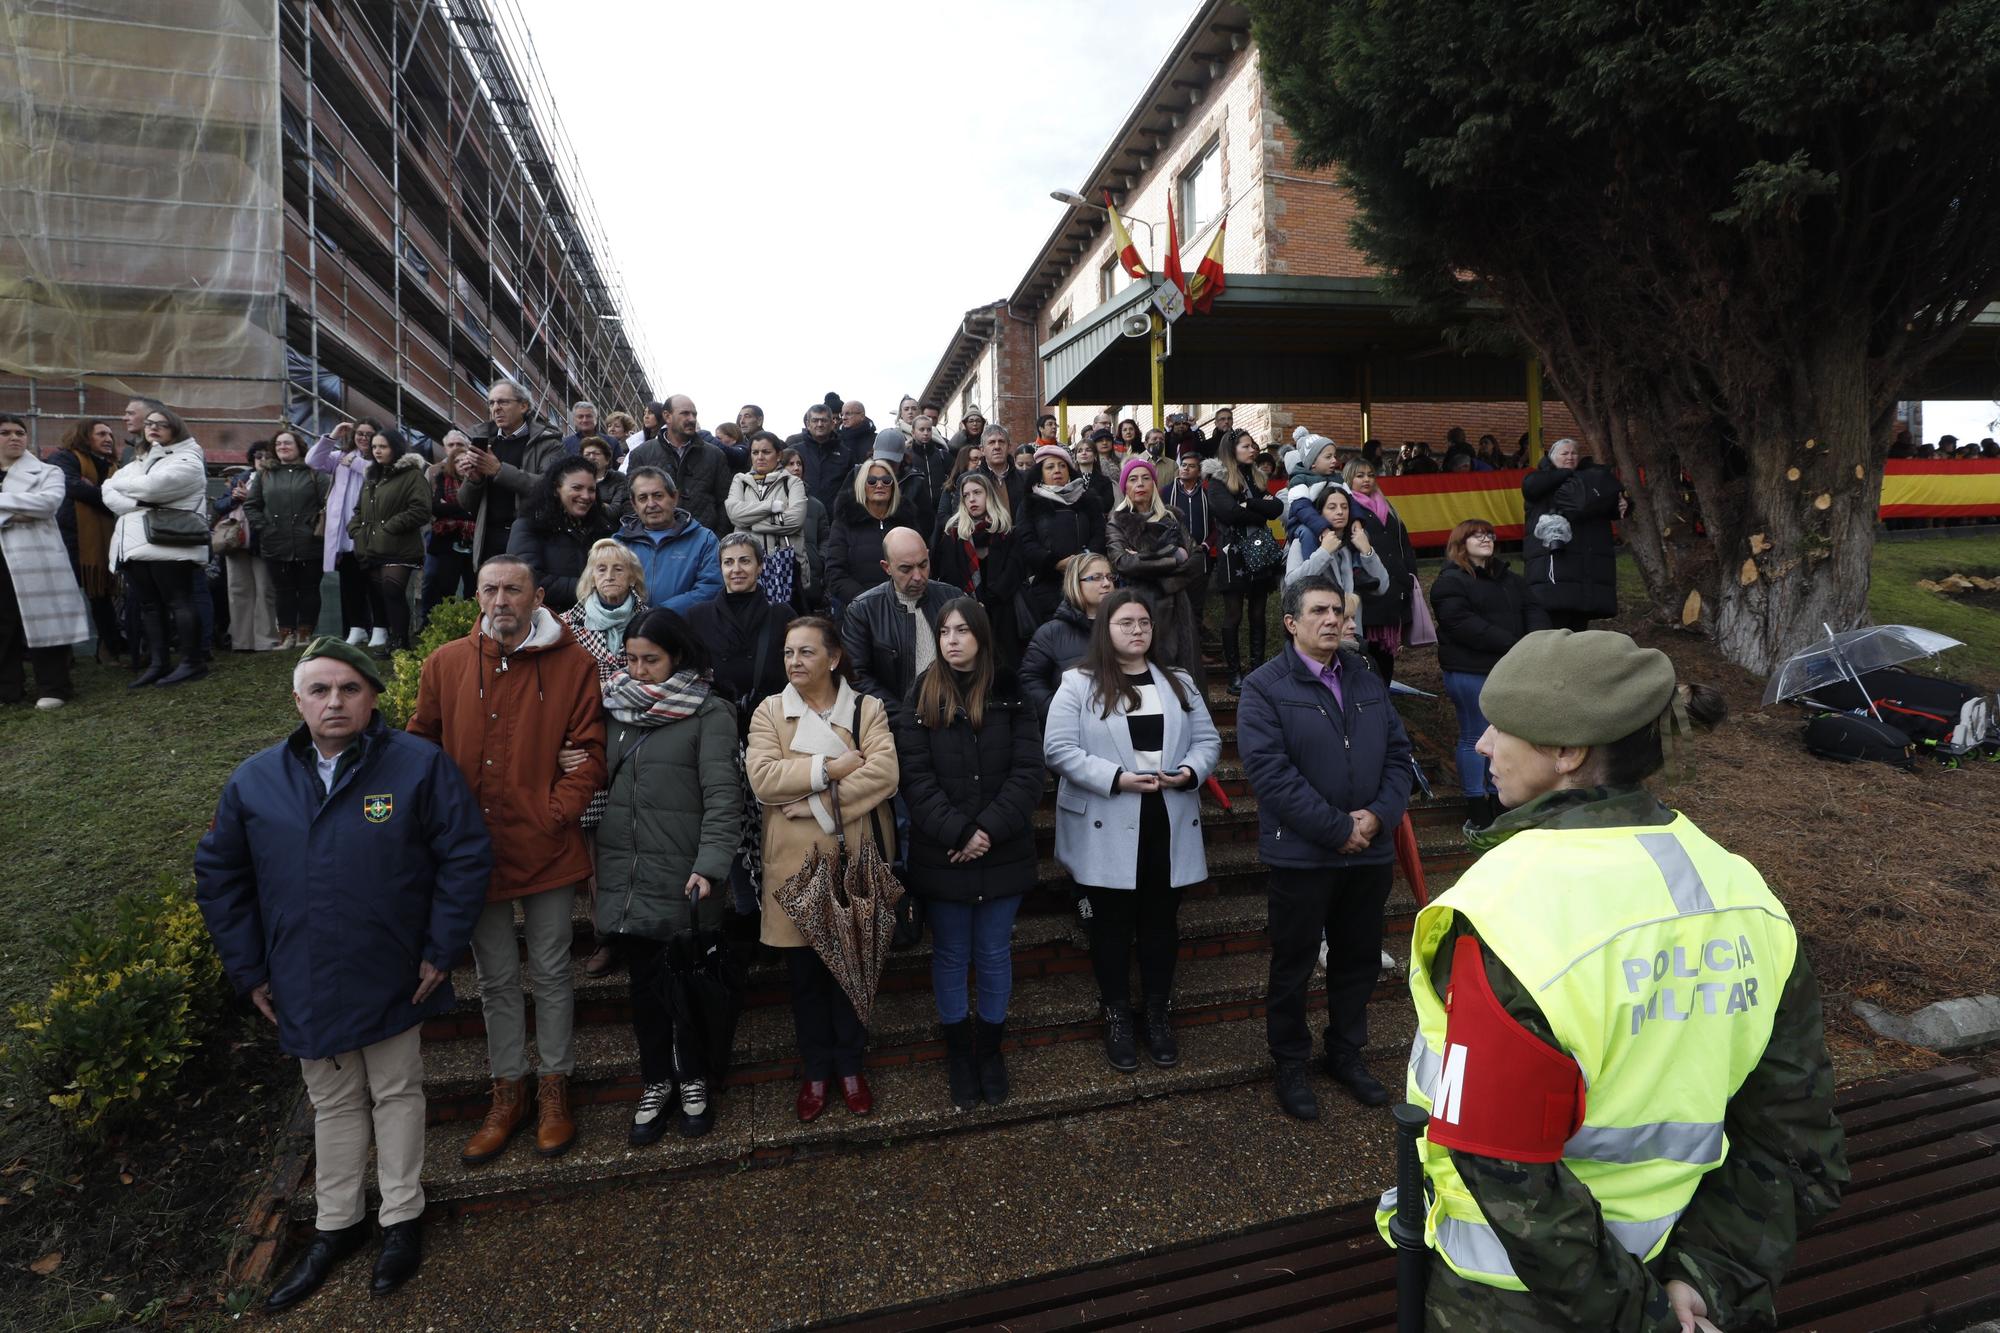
(1846, 737)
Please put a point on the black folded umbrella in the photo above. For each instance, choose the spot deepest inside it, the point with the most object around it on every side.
(705, 998)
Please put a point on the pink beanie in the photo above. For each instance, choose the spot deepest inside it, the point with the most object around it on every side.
(1136, 461)
(1054, 451)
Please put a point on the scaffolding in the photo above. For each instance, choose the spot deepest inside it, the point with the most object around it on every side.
(429, 229)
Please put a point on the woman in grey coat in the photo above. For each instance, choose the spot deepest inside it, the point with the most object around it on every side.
(1131, 742)
(1343, 552)
(665, 844)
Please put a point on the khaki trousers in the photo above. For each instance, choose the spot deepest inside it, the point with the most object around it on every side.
(545, 926)
(379, 1087)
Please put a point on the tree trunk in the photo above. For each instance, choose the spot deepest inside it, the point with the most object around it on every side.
(1753, 514)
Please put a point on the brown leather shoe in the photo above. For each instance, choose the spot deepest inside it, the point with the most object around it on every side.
(812, 1100)
(504, 1119)
(555, 1131)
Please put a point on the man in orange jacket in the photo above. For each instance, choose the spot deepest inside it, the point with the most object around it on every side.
(503, 702)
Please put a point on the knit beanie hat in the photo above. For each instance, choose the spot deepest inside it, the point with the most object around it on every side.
(332, 645)
(1133, 464)
(1053, 451)
(890, 444)
(1562, 687)
(1310, 448)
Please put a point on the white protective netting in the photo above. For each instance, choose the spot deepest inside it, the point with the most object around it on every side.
(142, 197)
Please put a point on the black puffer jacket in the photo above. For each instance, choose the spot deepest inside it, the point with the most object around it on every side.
(559, 557)
(1480, 615)
(1580, 576)
(1057, 646)
(1048, 532)
(959, 781)
(1234, 514)
(1391, 540)
(854, 547)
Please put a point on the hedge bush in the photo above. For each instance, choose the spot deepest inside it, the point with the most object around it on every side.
(138, 991)
(453, 618)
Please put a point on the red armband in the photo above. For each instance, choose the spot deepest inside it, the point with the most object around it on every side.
(1501, 1091)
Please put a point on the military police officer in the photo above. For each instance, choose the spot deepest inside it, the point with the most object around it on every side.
(1619, 1038)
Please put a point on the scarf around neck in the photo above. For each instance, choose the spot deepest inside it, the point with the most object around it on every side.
(610, 621)
(1068, 494)
(1375, 502)
(644, 705)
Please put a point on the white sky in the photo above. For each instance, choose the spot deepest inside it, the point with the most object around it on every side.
(808, 197)
(1971, 420)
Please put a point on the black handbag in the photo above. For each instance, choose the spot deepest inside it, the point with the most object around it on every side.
(175, 527)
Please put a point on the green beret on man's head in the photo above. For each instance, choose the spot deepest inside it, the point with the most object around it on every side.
(340, 650)
(1563, 687)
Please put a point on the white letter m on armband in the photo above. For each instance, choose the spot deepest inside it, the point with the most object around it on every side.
(1447, 1097)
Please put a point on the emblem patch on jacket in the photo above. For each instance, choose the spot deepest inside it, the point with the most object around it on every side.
(378, 808)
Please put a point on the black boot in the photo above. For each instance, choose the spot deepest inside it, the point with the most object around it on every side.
(1347, 1070)
(1295, 1095)
(189, 669)
(402, 1253)
(153, 672)
(1120, 1048)
(328, 1248)
(1232, 660)
(986, 1039)
(1257, 646)
(961, 1064)
(1160, 1043)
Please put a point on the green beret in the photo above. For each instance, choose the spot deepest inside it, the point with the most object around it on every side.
(1559, 687)
(340, 650)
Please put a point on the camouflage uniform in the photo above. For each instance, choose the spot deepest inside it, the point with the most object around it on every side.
(1786, 1164)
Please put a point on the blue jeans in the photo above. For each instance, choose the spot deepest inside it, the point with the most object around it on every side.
(981, 934)
(1464, 687)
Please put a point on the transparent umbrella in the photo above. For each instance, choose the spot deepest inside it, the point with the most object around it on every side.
(1851, 654)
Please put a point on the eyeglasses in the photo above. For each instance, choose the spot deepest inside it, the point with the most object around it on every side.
(1131, 626)
(1479, 536)
(156, 421)
(881, 481)
(1095, 578)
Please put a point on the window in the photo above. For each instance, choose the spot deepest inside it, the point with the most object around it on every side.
(1199, 199)
(971, 395)
(1110, 277)
(1060, 322)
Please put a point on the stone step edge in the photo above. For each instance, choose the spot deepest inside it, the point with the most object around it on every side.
(520, 1179)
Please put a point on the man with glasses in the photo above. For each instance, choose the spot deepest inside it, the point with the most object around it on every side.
(502, 467)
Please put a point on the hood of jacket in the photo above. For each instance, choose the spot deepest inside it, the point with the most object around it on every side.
(544, 632)
(407, 461)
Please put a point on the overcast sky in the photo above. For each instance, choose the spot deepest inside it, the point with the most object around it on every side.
(808, 197)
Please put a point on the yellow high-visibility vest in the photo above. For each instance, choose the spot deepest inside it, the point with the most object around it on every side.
(1658, 959)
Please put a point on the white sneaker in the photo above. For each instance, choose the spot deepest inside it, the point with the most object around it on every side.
(653, 1103)
(1388, 961)
(379, 639)
(357, 637)
(694, 1097)
(49, 705)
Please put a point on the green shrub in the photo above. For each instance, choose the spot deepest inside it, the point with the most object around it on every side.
(453, 618)
(136, 994)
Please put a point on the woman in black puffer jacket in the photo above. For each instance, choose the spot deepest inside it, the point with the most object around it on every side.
(1482, 609)
(562, 520)
(1240, 504)
(1061, 518)
(1575, 581)
(1060, 642)
(970, 752)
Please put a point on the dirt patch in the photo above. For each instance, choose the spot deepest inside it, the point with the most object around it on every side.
(1892, 878)
(139, 1228)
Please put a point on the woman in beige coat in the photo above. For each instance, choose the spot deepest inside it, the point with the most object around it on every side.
(813, 738)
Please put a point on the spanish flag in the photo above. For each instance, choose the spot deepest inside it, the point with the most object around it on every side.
(1208, 282)
(1128, 253)
(1174, 273)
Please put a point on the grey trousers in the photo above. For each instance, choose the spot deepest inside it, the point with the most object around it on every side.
(379, 1088)
(498, 957)
(253, 603)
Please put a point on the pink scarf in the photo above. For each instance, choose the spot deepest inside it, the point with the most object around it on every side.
(1378, 504)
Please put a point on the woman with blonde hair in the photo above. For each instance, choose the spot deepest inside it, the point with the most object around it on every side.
(1060, 641)
(861, 519)
(610, 599)
(976, 552)
(1151, 551)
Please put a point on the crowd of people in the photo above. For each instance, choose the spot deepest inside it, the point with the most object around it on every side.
(706, 663)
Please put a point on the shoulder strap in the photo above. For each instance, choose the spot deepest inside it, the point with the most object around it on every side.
(875, 814)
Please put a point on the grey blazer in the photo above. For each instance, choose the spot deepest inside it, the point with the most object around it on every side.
(1097, 829)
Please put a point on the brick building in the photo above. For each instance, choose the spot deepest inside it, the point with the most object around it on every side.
(315, 209)
(1204, 131)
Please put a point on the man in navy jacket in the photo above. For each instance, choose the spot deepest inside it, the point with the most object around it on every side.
(1328, 759)
(341, 880)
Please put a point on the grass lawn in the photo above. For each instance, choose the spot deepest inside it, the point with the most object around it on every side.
(112, 792)
(1895, 599)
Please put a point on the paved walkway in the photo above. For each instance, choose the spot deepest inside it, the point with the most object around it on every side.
(779, 1247)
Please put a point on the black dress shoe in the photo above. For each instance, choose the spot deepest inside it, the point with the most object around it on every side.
(1361, 1085)
(328, 1248)
(1295, 1095)
(402, 1253)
